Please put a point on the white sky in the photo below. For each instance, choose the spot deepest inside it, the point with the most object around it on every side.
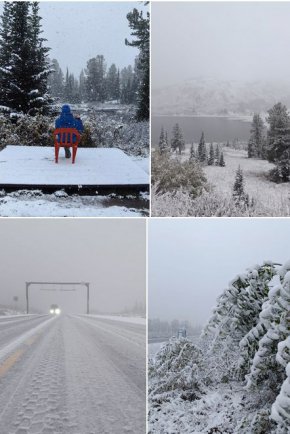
(192, 260)
(227, 40)
(108, 253)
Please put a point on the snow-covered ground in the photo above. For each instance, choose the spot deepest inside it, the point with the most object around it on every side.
(76, 375)
(37, 204)
(34, 165)
(127, 319)
(269, 199)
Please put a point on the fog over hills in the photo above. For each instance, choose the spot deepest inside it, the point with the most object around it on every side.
(211, 96)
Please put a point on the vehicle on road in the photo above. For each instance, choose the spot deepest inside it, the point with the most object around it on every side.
(54, 309)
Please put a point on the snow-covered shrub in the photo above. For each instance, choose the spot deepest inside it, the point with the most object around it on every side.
(118, 129)
(28, 130)
(176, 372)
(170, 175)
(259, 423)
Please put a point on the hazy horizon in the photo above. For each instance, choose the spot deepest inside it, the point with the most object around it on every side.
(108, 253)
(226, 40)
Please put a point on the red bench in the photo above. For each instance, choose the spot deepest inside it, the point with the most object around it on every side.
(66, 138)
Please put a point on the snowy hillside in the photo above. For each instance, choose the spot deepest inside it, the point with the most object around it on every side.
(209, 96)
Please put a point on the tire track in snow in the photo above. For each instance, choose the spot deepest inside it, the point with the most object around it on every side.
(75, 379)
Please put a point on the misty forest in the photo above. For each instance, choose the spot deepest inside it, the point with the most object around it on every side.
(113, 103)
(235, 377)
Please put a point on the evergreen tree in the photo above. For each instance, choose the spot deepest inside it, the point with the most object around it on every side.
(95, 81)
(272, 356)
(113, 83)
(177, 141)
(5, 53)
(25, 70)
(82, 86)
(56, 80)
(141, 31)
(256, 144)
(217, 155)
(211, 156)
(278, 141)
(192, 156)
(128, 85)
(239, 194)
(163, 143)
(222, 161)
(201, 150)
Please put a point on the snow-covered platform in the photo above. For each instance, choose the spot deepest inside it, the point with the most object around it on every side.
(99, 170)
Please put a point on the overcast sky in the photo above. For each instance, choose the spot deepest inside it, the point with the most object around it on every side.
(78, 31)
(226, 40)
(191, 261)
(108, 253)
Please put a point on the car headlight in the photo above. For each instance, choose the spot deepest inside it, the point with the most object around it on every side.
(57, 311)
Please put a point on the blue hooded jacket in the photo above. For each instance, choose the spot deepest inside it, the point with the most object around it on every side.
(66, 120)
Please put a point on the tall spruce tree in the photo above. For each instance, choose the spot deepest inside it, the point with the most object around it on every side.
(177, 141)
(25, 70)
(222, 161)
(56, 80)
(163, 143)
(256, 144)
(239, 195)
(113, 83)
(278, 141)
(210, 161)
(95, 81)
(217, 155)
(201, 150)
(192, 155)
(141, 31)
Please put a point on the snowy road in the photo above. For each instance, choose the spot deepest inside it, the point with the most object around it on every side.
(72, 375)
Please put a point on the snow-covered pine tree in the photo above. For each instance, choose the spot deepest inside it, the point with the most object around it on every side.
(239, 195)
(71, 88)
(5, 54)
(141, 31)
(82, 86)
(278, 141)
(56, 80)
(113, 83)
(256, 144)
(95, 80)
(163, 143)
(192, 155)
(24, 74)
(175, 372)
(177, 141)
(217, 155)
(238, 308)
(272, 356)
(201, 150)
(221, 160)
(210, 160)
(281, 407)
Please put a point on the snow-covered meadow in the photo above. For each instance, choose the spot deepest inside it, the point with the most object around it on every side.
(269, 198)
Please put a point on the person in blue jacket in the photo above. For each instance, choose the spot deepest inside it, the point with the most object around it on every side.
(67, 120)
